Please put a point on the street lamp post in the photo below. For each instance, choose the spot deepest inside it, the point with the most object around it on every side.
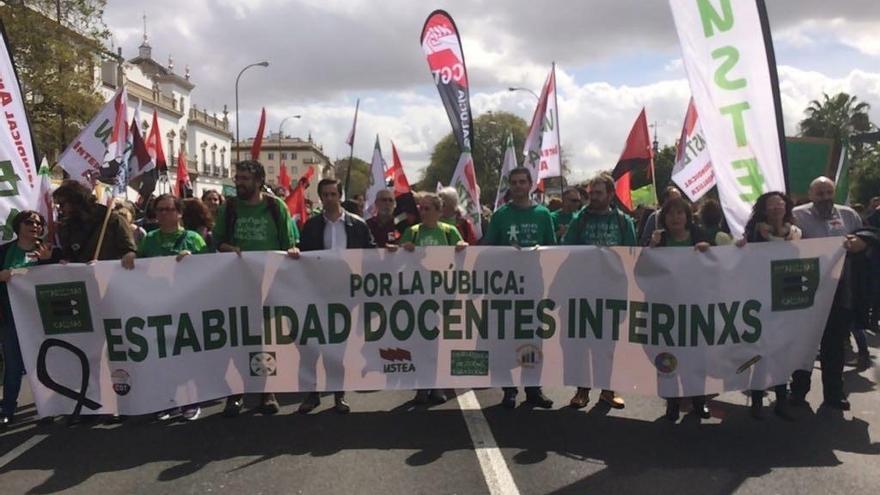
(280, 127)
(237, 141)
(526, 90)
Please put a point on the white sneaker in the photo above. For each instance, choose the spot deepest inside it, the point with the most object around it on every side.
(191, 413)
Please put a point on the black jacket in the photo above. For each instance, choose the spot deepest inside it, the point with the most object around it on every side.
(356, 231)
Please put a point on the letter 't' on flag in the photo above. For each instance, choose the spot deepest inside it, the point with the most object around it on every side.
(442, 46)
(635, 167)
(258, 139)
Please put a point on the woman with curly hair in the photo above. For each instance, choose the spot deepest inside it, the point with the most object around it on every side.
(197, 217)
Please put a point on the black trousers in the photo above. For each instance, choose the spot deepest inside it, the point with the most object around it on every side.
(831, 357)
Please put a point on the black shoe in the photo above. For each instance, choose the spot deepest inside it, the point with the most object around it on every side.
(313, 400)
(268, 404)
(864, 361)
(421, 397)
(509, 400)
(538, 399)
(783, 412)
(438, 396)
(341, 406)
(701, 409)
(798, 401)
(5, 421)
(757, 409)
(234, 403)
(673, 410)
(842, 404)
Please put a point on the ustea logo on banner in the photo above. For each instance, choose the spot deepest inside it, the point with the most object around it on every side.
(469, 363)
(263, 364)
(400, 361)
(528, 356)
(794, 283)
(64, 308)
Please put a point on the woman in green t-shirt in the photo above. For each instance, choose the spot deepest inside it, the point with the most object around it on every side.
(677, 229)
(170, 239)
(431, 232)
(26, 250)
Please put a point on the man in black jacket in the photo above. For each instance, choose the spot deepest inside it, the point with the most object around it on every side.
(335, 228)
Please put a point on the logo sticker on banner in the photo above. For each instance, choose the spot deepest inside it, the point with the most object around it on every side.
(794, 283)
(469, 363)
(666, 363)
(529, 356)
(263, 364)
(64, 308)
(121, 382)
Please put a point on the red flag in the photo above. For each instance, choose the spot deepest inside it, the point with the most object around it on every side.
(637, 155)
(398, 176)
(296, 200)
(258, 139)
(184, 186)
(154, 145)
(140, 161)
(283, 178)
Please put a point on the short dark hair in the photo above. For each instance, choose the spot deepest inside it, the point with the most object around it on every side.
(604, 179)
(178, 203)
(196, 215)
(329, 182)
(711, 213)
(668, 190)
(253, 167)
(520, 170)
(24, 215)
(676, 204)
(209, 192)
(75, 193)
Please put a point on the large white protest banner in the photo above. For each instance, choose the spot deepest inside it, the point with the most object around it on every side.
(661, 321)
(728, 54)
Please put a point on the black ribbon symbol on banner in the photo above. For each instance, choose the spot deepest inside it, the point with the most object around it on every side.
(45, 379)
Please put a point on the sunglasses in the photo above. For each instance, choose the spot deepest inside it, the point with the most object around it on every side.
(33, 223)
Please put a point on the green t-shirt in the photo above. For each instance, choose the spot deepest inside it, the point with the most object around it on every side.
(526, 227)
(255, 229)
(670, 242)
(441, 235)
(591, 229)
(561, 218)
(15, 257)
(158, 243)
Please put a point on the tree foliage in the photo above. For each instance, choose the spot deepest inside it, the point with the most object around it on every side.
(490, 133)
(57, 46)
(360, 175)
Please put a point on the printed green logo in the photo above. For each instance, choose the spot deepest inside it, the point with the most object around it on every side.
(469, 363)
(794, 283)
(64, 308)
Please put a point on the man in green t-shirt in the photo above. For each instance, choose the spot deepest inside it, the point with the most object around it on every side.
(571, 203)
(521, 223)
(252, 221)
(600, 224)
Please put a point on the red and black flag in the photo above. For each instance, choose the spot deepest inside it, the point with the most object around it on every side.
(635, 168)
(442, 46)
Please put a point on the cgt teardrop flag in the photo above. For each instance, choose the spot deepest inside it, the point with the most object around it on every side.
(19, 181)
(442, 46)
(728, 53)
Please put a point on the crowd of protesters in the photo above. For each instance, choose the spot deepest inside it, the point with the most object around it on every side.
(255, 220)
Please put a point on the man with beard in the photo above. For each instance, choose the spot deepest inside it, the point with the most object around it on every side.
(252, 221)
(521, 223)
(822, 218)
(600, 224)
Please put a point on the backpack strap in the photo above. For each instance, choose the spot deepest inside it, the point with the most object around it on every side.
(275, 212)
(230, 219)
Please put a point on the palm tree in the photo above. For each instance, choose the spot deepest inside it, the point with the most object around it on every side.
(837, 118)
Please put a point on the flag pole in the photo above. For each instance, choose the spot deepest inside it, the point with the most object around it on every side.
(103, 232)
(558, 138)
(348, 171)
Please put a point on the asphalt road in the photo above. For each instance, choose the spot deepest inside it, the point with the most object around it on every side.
(389, 446)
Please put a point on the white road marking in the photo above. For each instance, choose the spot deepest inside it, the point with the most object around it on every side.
(495, 471)
(21, 449)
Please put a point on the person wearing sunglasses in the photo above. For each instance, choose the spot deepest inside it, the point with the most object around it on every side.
(27, 249)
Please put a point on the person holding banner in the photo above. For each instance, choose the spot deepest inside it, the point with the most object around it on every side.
(771, 220)
(676, 227)
(571, 203)
(252, 221)
(598, 224)
(451, 215)
(651, 222)
(822, 218)
(382, 223)
(431, 232)
(89, 231)
(334, 229)
(27, 249)
(521, 223)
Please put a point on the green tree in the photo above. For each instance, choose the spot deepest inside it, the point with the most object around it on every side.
(490, 133)
(360, 175)
(865, 178)
(57, 45)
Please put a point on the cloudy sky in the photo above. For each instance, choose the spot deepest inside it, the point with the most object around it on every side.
(613, 57)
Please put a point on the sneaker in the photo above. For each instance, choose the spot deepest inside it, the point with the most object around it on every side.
(538, 399)
(312, 400)
(168, 414)
(509, 399)
(581, 398)
(438, 396)
(421, 397)
(612, 399)
(191, 413)
(268, 404)
(234, 403)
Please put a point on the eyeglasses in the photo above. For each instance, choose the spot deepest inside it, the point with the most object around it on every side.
(33, 223)
(389, 200)
(165, 210)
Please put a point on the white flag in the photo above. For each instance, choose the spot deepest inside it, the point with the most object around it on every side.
(84, 158)
(377, 180)
(508, 164)
(542, 149)
(692, 172)
(727, 55)
(464, 180)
